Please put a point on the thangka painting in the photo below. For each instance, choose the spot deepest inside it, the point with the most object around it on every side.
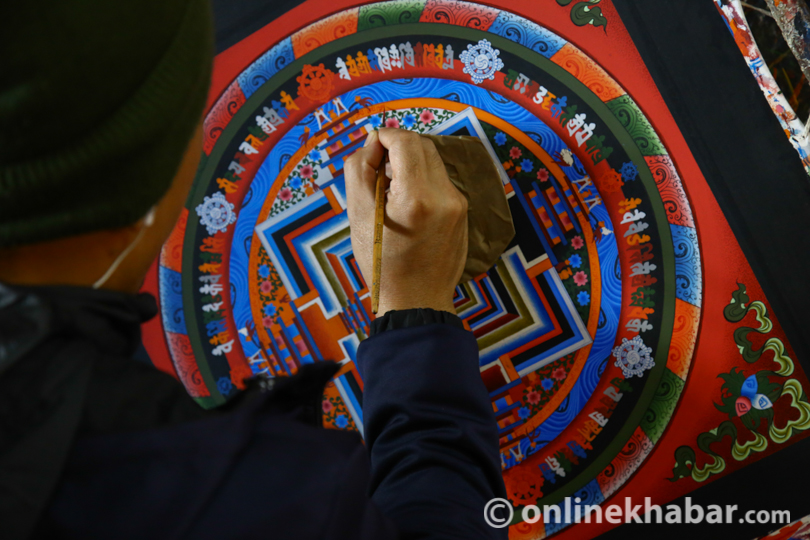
(627, 346)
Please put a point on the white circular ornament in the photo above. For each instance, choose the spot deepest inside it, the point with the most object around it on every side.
(633, 357)
(216, 213)
(481, 61)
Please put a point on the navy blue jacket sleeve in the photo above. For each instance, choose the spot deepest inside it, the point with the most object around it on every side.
(430, 431)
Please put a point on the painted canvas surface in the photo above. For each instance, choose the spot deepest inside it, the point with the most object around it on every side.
(627, 347)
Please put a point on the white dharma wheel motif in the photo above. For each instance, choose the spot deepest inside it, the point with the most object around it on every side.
(216, 213)
(481, 61)
(633, 357)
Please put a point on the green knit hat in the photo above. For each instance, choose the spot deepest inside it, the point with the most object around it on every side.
(98, 102)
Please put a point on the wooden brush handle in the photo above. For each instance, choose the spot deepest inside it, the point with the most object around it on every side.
(379, 222)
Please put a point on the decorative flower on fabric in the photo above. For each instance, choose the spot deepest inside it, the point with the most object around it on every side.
(306, 172)
(542, 175)
(285, 194)
(524, 412)
(533, 397)
(526, 165)
(515, 152)
(216, 213)
(375, 121)
(315, 155)
(266, 287)
(270, 310)
(224, 385)
(327, 406)
(392, 123)
(341, 421)
(558, 373)
(633, 357)
(629, 171)
(426, 116)
(500, 138)
(408, 121)
(267, 322)
(481, 61)
(583, 298)
(295, 182)
(577, 242)
(264, 271)
(580, 278)
(547, 384)
(575, 261)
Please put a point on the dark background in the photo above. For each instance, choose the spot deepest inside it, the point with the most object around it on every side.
(754, 173)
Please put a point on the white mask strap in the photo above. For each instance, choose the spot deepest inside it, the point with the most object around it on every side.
(148, 220)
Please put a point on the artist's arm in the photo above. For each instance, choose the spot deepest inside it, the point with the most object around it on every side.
(429, 425)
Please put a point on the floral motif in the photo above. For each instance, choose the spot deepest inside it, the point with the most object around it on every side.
(270, 309)
(533, 397)
(526, 165)
(264, 271)
(547, 384)
(524, 412)
(305, 172)
(285, 194)
(542, 175)
(327, 406)
(515, 152)
(583, 298)
(500, 138)
(577, 242)
(575, 261)
(559, 373)
(581, 278)
(266, 287)
(416, 119)
(341, 421)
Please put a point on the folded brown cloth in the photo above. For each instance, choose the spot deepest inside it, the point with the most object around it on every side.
(472, 171)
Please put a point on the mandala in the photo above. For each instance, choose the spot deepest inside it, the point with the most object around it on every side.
(481, 61)
(588, 324)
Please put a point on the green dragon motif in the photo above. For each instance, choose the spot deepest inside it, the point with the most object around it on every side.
(584, 13)
(732, 390)
(735, 311)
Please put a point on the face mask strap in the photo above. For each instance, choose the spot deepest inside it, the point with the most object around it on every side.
(148, 221)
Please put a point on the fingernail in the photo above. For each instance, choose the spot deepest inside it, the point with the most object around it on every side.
(370, 138)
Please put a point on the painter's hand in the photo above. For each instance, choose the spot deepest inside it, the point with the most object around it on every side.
(425, 236)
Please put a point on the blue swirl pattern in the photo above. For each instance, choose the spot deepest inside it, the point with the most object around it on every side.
(266, 66)
(527, 33)
(171, 301)
(688, 282)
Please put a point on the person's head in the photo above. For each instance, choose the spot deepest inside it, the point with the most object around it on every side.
(100, 134)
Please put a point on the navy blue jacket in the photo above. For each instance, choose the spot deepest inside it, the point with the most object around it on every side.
(102, 446)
